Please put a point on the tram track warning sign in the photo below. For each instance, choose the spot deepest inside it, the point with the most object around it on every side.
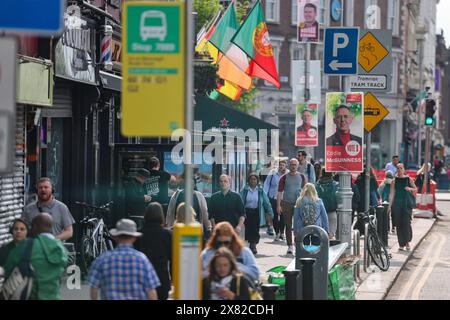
(374, 111)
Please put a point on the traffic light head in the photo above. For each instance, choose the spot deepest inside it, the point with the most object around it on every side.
(430, 109)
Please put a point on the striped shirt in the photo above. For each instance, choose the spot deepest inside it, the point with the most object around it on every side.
(123, 274)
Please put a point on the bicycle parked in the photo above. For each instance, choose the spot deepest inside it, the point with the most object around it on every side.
(96, 238)
(377, 250)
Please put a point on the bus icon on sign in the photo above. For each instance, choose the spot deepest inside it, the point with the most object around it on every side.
(153, 25)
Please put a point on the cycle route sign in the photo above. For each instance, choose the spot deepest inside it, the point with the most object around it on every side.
(375, 62)
(153, 70)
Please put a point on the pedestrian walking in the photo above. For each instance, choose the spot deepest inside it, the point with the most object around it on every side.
(123, 273)
(385, 190)
(225, 235)
(19, 232)
(198, 203)
(317, 170)
(156, 244)
(401, 203)
(326, 189)
(48, 259)
(289, 189)
(271, 190)
(157, 183)
(423, 172)
(136, 197)
(224, 280)
(361, 184)
(392, 166)
(310, 210)
(305, 167)
(227, 205)
(62, 219)
(257, 205)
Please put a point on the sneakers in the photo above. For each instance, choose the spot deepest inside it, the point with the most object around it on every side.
(270, 231)
(281, 238)
(402, 248)
(291, 250)
(253, 248)
(277, 237)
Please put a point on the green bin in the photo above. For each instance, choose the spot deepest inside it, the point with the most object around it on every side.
(276, 276)
(341, 285)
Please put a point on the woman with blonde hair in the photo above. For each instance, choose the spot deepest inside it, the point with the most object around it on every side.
(224, 235)
(183, 213)
(310, 210)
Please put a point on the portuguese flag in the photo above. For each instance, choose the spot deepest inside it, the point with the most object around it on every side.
(253, 38)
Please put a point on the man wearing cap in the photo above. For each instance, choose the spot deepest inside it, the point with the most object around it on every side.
(123, 273)
(136, 198)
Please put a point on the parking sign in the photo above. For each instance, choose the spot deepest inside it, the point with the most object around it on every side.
(341, 51)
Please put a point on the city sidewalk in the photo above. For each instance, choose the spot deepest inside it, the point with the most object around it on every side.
(375, 284)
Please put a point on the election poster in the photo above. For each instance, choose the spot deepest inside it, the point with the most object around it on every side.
(344, 132)
(306, 123)
(308, 26)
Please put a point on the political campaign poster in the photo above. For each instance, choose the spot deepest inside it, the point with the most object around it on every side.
(308, 26)
(344, 132)
(306, 123)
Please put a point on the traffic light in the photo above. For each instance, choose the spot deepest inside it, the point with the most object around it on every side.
(430, 109)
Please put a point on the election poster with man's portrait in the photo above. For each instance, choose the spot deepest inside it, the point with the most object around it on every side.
(306, 123)
(344, 132)
(308, 24)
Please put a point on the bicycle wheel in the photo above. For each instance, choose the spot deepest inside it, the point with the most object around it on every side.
(378, 251)
(87, 254)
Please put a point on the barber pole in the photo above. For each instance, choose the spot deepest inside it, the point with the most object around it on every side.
(106, 47)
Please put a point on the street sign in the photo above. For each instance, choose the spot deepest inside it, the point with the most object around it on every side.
(299, 81)
(341, 51)
(8, 67)
(375, 62)
(368, 83)
(31, 16)
(374, 111)
(153, 90)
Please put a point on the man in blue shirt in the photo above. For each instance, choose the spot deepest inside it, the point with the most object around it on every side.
(392, 166)
(124, 273)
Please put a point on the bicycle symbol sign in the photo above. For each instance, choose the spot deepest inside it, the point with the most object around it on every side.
(371, 52)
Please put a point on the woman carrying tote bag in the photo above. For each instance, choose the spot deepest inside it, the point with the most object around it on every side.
(401, 204)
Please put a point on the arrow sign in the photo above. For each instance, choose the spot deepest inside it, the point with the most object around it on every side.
(335, 65)
(341, 51)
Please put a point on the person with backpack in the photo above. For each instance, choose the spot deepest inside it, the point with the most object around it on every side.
(326, 190)
(310, 210)
(305, 167)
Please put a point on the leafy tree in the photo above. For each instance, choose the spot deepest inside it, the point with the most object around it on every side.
(206, 10)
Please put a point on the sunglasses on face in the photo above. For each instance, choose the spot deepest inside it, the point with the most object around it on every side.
(223, 243)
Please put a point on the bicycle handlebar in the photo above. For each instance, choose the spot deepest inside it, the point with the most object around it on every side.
(104, 208)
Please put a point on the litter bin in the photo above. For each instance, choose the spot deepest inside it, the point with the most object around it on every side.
(276, 276)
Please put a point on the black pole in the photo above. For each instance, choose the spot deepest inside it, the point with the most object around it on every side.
(269, 291)
(307, 278)
(291, 284)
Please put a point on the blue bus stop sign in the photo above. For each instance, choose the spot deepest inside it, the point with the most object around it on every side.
(341, 51)
(32, 16)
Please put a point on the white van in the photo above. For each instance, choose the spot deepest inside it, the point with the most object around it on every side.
(153, 25)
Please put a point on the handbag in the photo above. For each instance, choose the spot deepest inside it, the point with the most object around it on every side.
(20, 282)
(410, 200)
(252, 291)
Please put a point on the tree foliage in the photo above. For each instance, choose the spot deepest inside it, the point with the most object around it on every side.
(206, 10)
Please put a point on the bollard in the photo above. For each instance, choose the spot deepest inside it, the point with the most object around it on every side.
(269, 290)
(366, 253)
(291, 284)
(382, 224)
(308, 278)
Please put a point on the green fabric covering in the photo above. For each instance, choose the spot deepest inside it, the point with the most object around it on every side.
(341, 285)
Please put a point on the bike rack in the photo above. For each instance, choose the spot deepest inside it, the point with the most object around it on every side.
(357, 252)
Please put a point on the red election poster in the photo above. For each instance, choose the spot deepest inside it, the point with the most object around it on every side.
(344, 132)
(306, 120)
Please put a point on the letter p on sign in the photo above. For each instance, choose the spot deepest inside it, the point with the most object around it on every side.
(337, 45)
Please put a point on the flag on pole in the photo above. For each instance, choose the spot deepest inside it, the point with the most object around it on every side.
(253, 38)
(233, 62)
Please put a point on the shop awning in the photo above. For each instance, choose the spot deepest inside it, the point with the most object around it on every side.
(221, 118)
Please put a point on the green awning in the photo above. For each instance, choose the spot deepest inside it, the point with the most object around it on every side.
(219, 117)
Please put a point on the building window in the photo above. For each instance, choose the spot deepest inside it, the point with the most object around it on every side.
(273, 11)
(393, 17)
(298, 53)
(294, 11)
